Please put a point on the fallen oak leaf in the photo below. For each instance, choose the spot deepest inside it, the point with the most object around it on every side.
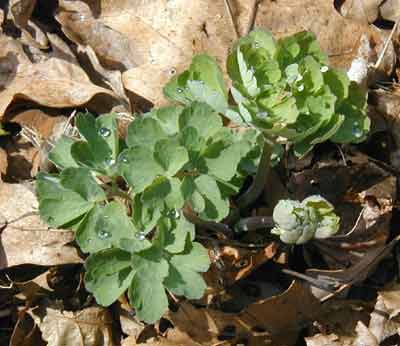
(28, 239)
(53, 82)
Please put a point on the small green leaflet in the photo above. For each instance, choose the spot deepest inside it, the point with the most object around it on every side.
(104, 227)
(100, 148)
(108, 275)
(64, 199)
(203, 82)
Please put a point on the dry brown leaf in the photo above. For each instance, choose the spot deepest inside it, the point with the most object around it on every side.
(365, 11)
(88, 327)
(337, 321)
(173, 337)
(152, 39)
(3, 163)
(390, 10)
(53, 82)
(325, 340)
(29, 240)
(344, 41)
(277, 319)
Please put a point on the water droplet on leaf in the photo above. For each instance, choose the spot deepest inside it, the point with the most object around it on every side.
(103, 234)
(110, 161)
(324, 69)
(301, 87)
(175, 214)
(141, 236)
(104, 131)
(357, 131)
(179, 90)
(124, 159)
(256, 45)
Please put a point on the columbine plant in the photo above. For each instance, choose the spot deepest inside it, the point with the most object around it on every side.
(129, 200)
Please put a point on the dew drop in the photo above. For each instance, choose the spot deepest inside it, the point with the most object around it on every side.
(105, 132)
(301, 87)
(179, 90)
(175, 214)
(141, 236)
(110, 161)
(124, 159)
(256, 45)
(103, 234)
(324, 69)
(357, 131)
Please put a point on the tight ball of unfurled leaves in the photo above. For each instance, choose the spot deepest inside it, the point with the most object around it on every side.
(298, 222)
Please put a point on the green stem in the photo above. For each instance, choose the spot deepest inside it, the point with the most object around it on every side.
(255, 190)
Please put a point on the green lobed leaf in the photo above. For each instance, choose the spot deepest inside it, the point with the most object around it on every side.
(183, 277)
(60, 155)
(104, 227)
(203, 82)
(108, 275)
(61, 204)
(147, 292)
(101, 148)
(216, 207)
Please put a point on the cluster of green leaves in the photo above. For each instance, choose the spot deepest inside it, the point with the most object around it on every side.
(298, 222)
(125, 199)
(285, 89)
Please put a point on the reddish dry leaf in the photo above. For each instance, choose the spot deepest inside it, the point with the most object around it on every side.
(29, 240)
(230, 264)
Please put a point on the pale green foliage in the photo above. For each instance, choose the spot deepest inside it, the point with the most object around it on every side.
(298, 222)
(287, 90)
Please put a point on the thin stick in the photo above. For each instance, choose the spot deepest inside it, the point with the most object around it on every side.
(253, 16)
(230, 12)
(388, 40)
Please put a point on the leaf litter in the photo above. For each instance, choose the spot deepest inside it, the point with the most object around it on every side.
(86, 55)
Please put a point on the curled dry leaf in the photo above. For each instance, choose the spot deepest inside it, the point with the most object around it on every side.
(53, 82)
(88, 327)
(365, 11)
(29, 240)
(390, 10)
(277, 319)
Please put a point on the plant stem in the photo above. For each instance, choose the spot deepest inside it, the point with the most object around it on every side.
(253, 223)
(254, 191)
